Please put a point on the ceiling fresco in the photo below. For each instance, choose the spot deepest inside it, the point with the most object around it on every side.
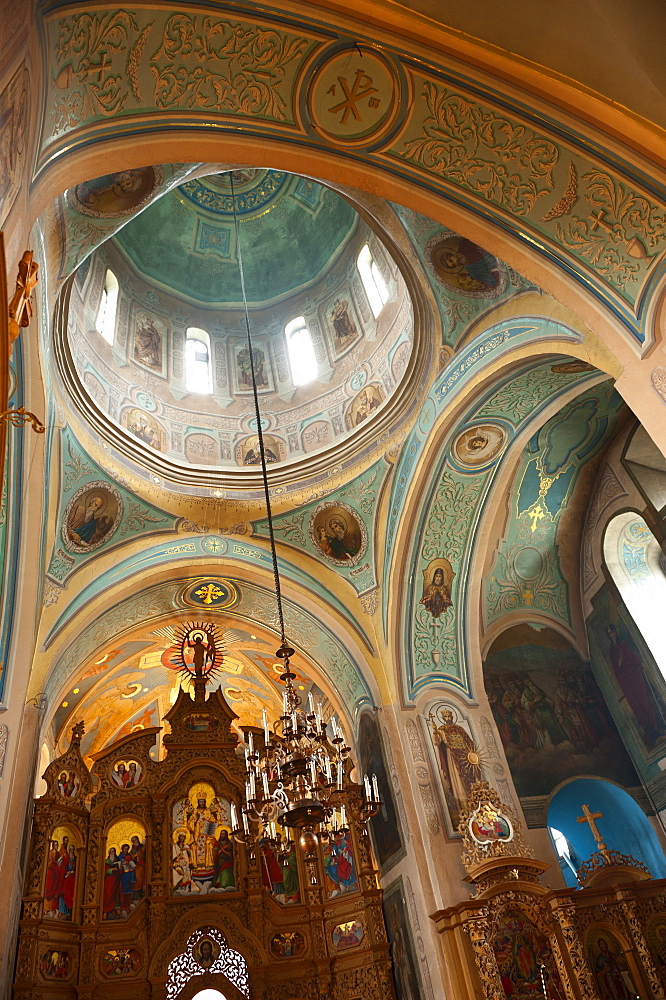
(527, 575)
(465, 279)
(291, 230)
(449, 514)
(578, 202)
(132, 686)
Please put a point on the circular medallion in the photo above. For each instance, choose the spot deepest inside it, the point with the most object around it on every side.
(478, 445)
(91, 516)
(528, 563)
(210, 593)
(354, 96)
(465, 267)
(254, 192)
(214, 546)
(489, 826)
(338, 533)
(126, 774)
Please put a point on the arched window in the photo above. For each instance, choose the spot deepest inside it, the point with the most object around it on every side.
(106, 316)
(570, 862)
(301, 351)
(197, 361)
(209, 994)
(636, 563)
(373, 282)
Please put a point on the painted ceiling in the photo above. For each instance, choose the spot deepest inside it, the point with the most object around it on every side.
(291, 230)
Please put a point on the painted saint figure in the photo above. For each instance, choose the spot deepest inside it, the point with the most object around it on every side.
(148, 344)
(609, 975)
(436, 597)
(86, 523)
(459, 761)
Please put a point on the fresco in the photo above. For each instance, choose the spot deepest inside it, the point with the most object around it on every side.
(520, 949)
(127, 773)
(477, 445)
(344, 327)
(384, 827)
(628, 674)
(457, 756)
(550, 713)
(347, 935)
(250, 452)
(150, 335)
(464, 267)
(116, 195)
(365, 402)
(398, 931)
(437, 579)
(60, 883)
(144, 427)
(244, 369)
(203, 850)
(91, 516)
(124, 868)
(338, 533)
(609, 965)
(69, 784)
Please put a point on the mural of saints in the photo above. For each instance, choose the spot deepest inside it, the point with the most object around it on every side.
(459, 759)
(148, 343)
(339, 864)
(124, 869)
(244, 367)
(60, 883)
(203, 851)
(344, 327)
(520, 949)
(609, 965)
(279, 869)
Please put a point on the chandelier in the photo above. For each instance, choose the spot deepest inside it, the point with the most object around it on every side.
(297, 775)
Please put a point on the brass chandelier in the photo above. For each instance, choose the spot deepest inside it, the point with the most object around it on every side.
(298, 776)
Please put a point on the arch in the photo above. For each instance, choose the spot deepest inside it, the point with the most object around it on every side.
(108, 307)
(635, 561)
(301, 351)
(198, 370)
(623, 825)
(208, 953)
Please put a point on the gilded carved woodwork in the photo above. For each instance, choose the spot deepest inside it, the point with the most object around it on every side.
(114, 888)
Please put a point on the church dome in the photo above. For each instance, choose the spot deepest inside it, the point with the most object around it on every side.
(157, 333)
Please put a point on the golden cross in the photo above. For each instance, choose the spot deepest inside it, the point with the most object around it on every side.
(536, 515)
(599, 220)
(589, 817)
(209, 593)
(527, 596)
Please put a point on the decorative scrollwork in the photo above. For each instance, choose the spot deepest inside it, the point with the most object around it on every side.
(20, 417)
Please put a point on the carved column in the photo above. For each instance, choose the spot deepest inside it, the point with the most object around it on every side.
(478, 928)
(565, 913)
(560, 962)
(629, 911)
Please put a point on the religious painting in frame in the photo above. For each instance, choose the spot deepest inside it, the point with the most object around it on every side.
(242, 367)
(385, 826)
(279, 868)
(340, 864)
(91, 516)
(343, 323)
(656, 938)
(113, 196)
(61, 873)
(145, 427)
(521, 950)
(338, 533)
(398, 930)
(124, 868)
(203, 854)
(56, 964)
(607, 959)
(120, 961)
(149, 345)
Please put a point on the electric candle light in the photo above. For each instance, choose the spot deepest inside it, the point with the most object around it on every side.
(375, 788)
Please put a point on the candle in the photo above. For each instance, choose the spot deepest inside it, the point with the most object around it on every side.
(264, 777)
(366, 785)
(273, 830)
(329, 773)
(313, 773)
(375, 788)
(334, 726)
(343, 816)
(250, 741)
(294, 720)
(339, 774)
(265, 720)
(310, 704)
(234, 817)
(246, 826)
(248, 792)
(252, 785)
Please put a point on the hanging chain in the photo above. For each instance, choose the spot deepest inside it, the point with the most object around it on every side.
(260, 435)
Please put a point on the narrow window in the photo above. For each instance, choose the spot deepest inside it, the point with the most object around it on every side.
(301, 351)
(197, 361)
(373, 282)
(106, 316)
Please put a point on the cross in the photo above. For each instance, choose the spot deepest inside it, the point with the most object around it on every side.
(360, 88)
(209, 593)
(589, 817)
(536, 515)
(599, 220)
(527, 596)
(99, 68)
